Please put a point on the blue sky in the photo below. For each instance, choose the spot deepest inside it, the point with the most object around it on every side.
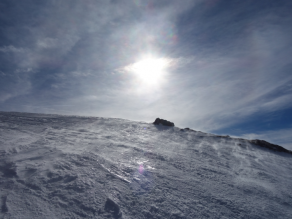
(228, 62)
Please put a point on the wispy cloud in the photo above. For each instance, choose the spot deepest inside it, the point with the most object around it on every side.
(11, 48)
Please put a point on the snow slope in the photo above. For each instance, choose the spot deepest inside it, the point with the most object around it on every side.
(84, 167)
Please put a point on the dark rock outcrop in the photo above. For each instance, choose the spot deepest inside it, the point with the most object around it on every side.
(187, 129)
(112, 207)
(163, 122)
(270, 146)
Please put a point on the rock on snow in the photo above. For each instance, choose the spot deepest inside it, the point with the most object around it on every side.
(84, 167)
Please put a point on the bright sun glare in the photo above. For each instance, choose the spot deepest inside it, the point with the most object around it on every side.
(149, 70)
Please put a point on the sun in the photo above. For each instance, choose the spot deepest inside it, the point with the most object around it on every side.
(149, 70)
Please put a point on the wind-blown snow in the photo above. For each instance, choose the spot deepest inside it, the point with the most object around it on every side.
(84, 167)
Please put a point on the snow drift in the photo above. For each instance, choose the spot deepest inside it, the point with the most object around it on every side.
(85, 167)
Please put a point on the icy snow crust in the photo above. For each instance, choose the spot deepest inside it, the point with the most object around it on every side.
(84, 167)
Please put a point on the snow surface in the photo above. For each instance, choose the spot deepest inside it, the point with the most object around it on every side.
(55, 166)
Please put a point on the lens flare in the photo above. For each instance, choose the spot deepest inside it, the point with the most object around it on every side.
(141, 169)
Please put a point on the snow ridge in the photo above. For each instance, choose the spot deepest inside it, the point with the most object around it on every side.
(54, 166)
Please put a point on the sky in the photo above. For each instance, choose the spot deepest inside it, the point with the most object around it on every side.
(218, 66)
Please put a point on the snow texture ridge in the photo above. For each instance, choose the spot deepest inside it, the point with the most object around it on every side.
(55, 166)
